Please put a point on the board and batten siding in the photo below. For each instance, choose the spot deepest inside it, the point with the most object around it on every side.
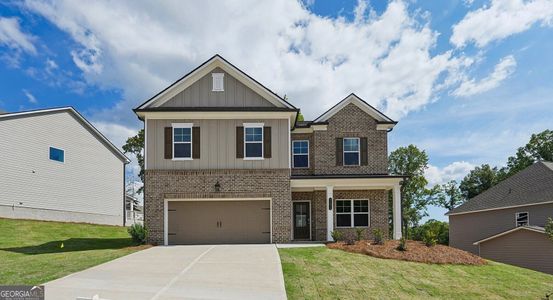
(217, 145)
(465, 229)
(87, 187)
(200, 94)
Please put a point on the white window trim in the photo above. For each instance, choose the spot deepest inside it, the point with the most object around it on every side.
(254, 125)
(293, 165)
(353, 213)
(215, 77)
(527, 221)
(55, 161)
(182, 125)
(358, 151)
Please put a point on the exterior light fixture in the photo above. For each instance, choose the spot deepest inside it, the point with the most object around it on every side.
(330, 203)
(217, 186)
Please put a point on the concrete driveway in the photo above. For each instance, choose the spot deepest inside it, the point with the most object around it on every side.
(180, 272)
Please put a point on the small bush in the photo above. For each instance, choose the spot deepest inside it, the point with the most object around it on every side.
(429, 238)
(441, 229)
(359, 233)
(549, 228)
(402, 244)
(336, 235)
(378, 236)
(138, 233)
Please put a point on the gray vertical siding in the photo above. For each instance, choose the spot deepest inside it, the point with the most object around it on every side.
(218, 146)
(90, 181)
(521, 248)
(465, 229)
(200, 94)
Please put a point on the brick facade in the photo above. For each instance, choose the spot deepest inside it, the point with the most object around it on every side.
(194, 184)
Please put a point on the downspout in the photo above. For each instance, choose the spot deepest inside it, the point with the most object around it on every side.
(124, 196)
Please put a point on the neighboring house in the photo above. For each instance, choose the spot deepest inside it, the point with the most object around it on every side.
(227, 162)
(56, 166)
(133, 210)
(505, 223)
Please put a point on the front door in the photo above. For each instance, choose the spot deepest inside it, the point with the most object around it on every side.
(301, 220)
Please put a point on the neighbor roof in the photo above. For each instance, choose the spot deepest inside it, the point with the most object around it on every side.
(533, 185)
(529, 228)
(78, 116)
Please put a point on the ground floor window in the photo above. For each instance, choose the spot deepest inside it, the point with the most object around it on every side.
(352, 213)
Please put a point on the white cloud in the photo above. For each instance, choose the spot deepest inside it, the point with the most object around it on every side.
(12, 36)
(501, 19)
(30, 97)
(454, 171)
(502, 71)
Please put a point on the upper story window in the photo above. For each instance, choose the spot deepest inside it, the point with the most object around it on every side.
(522, 219)
(218, 82)
(57, 154)
(253, 141)
(348, 217)
(351, 151)
(182, 141)
(300, 154)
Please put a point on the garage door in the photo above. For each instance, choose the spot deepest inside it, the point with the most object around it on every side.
(219, 222)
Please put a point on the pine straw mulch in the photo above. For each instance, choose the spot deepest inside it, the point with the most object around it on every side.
(416, 251)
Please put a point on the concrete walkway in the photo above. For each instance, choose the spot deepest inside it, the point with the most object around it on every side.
(180, 272)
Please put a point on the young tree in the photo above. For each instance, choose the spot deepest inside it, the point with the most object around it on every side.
(448, 195)
(540, 147)
(412, 162)
(478, 180)
(549, 228)
(135, 145)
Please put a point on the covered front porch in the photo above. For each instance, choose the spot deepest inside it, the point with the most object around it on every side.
(344, 203)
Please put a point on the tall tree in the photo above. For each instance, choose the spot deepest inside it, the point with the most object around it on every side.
(540, 147)
(478, 180)
(412, 162)
(135, 145)
(448, 195)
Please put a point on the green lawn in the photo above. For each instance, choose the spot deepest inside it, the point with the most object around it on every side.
(312, 273)
(31, 252)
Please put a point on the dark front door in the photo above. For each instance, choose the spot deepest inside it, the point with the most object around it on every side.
(301, 220)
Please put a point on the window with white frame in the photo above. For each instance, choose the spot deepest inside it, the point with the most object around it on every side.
(522, 219)
(253, 141)
(57, 154)
(182, 141)
(218, 82)
(300, 154)
(351, 151)
(352, 213)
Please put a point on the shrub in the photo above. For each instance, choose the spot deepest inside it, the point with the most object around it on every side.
(440, 229)
(402, 244)
(378, 236)
(549, 228)
(336, 235)
(429, 238)
(359, 232)
(138, 233)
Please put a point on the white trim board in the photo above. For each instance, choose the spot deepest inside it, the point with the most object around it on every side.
(497, 208)
(508, 232)
(352, 98)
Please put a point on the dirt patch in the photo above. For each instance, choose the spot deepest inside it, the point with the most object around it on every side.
(416, 251)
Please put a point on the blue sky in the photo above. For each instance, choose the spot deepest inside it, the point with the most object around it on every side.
(469, 81)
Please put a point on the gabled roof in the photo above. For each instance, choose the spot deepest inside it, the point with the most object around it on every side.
(529, 228)
(531, 186)
(362, 104)
(205, 68)
(78, 116)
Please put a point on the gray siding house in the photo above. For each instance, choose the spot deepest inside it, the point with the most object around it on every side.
(505, 223)
(56, 166)
(226, 161)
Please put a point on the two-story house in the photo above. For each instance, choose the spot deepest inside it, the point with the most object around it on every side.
(226, 161)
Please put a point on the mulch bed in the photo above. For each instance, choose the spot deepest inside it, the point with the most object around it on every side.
(416, 251)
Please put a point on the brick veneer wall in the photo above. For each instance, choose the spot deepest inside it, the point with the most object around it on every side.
(166, 184)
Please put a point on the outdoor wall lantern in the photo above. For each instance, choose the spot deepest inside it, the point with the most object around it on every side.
(217, 186)
(330, 203)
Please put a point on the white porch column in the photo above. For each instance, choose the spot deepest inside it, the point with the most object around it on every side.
(396, 201)
(329, 212)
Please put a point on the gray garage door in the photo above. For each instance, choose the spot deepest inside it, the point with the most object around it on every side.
(219, 222)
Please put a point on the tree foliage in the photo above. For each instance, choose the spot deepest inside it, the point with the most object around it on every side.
(540, 147)
(412, 162)
(437, 228)
(300, 117)
(478, 180)
(448, 195)
(135, 145)
(549, 228)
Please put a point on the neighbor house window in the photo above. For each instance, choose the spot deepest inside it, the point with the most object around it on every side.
(351, 151)
(57, 154)
(348, 217)
(300, 154)
(218, 82)
(182, 141)
(253, 141)
(521, 219)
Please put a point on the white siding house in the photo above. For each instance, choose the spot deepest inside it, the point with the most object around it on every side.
(54, 165)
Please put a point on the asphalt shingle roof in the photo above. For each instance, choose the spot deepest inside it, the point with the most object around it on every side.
(529, 186)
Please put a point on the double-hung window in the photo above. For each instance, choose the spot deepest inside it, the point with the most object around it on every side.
(253, 141)
(352, 213)
(351, 151)
(300, 154)
(522, 219)
(182, 141)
